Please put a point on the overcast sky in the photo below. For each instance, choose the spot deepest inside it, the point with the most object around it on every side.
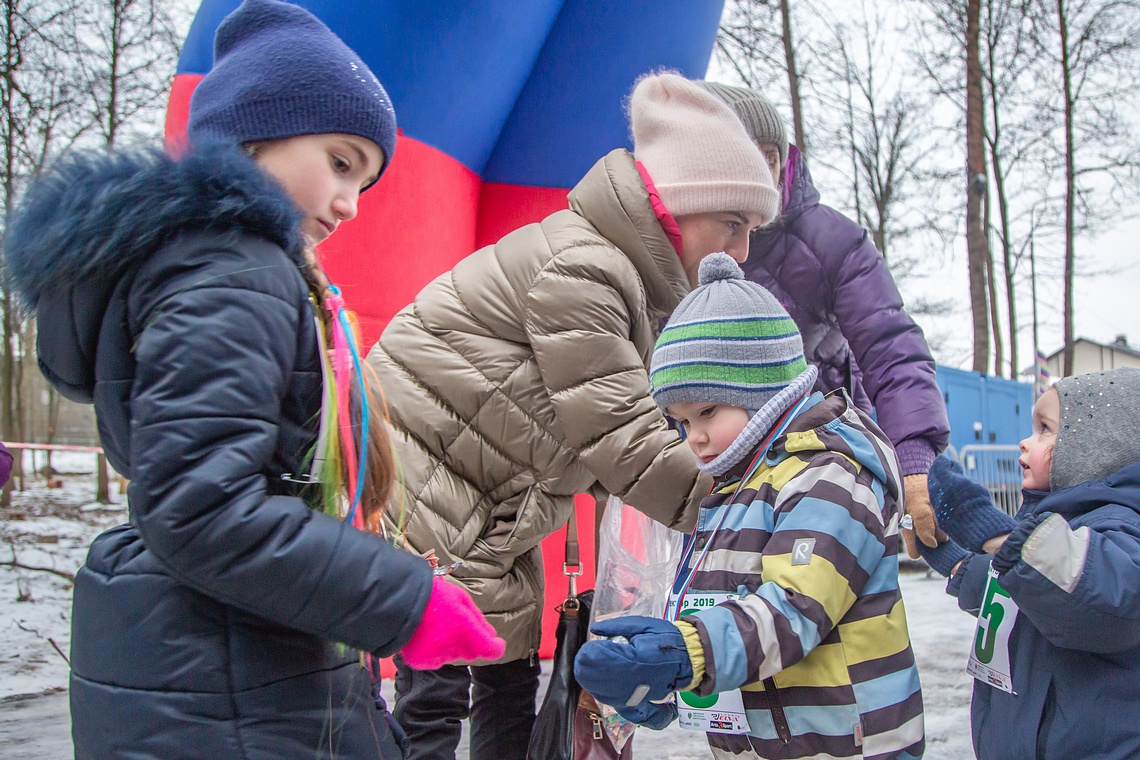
(1107, 294)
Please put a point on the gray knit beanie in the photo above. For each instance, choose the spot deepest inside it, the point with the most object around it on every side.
(1100, 417)
(757, 113)
(731, 342)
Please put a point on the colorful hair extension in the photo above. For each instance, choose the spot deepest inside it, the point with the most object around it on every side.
(326, 467)
(345, 361)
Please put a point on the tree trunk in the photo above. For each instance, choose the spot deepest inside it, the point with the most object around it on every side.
(996, 157)
(991, 290)
(793, 77)
(6, 364)
(1007, 264)
(976, 247)
(102, 481)
(1070, 190)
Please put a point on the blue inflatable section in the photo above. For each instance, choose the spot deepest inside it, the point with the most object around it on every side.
(526, 93)
(571, 111)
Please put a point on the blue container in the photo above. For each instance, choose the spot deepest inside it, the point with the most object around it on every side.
(984, 409)
(988, 418)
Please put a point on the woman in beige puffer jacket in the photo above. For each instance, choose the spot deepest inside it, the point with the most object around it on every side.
(518, 379)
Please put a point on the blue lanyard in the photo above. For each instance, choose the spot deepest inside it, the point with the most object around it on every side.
(779, 428)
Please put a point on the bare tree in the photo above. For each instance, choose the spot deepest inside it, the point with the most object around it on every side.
(883, 122)
(1094, 46)
(793, 74)
(1014, 133)
(132, 59)
(132, 49)
(71, 70)
(749, 43)
(949, 55)
(38, 106)
(977, 249)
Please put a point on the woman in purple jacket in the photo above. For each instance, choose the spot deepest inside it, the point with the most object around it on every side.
(835, 284)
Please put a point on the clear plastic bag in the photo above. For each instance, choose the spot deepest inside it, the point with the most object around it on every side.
(637, 561)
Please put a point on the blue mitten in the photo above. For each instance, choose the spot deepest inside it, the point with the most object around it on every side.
(655, 715)
(963, 506)
(650, 664)
(943, 557)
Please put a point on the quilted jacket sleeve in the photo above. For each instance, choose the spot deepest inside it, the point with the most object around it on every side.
(215, 344)
(1079, 587)
(798, 603)
(599, 387)
(898, 370)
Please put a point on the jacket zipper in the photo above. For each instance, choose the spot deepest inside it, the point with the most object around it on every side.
(779, 719)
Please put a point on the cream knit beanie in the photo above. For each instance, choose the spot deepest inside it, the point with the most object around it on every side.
(697, 151)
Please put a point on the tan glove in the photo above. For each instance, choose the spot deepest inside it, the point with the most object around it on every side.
(917, 502)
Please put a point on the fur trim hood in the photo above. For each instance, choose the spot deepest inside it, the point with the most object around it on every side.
(100, 213)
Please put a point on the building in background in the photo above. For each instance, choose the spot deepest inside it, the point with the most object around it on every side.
(1091, 356)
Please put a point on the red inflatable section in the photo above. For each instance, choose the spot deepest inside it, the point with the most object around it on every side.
(379, 259)
(178, 110)
(505, 208)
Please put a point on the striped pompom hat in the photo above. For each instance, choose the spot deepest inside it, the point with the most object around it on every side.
(729, 342)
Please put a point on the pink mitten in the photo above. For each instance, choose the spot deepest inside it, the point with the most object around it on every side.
(451, 630)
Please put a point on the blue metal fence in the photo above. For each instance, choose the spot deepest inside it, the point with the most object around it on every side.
(997, 468)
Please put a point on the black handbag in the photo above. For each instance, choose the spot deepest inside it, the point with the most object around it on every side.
(568, 725)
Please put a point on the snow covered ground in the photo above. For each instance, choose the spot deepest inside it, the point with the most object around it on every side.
(51, 528)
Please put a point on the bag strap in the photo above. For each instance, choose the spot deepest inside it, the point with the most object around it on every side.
(572, 566)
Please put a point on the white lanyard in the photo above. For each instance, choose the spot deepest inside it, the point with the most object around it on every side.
(674, 609)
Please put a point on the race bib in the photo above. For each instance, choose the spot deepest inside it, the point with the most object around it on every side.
(989, 657)
(718, 713)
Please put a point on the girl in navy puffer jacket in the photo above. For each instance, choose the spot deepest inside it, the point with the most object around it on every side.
(181, 298)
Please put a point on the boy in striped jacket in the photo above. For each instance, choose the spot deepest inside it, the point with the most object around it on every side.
(790, 610)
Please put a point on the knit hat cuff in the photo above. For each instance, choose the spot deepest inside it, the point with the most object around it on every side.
(293, 115)
(683, 198)
(760, 424)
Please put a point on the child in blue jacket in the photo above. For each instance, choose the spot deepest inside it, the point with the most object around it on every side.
(792, 639)
(1057, 650)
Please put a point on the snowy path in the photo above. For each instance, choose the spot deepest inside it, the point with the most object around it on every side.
(51, 528)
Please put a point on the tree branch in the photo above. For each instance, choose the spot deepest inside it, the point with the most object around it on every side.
(52, 570)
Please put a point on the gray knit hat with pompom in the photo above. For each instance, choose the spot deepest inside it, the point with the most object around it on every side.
(730, 342)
